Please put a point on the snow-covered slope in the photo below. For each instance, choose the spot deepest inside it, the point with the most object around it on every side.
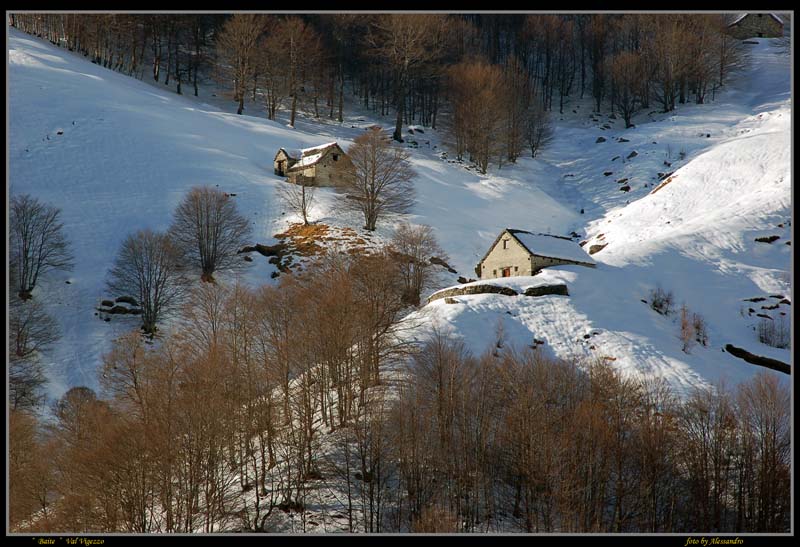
(129, 150)
(694, 236)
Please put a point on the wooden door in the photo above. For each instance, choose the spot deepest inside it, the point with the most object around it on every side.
(506, 272)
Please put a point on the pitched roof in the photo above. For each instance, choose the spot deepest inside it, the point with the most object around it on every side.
(551, 246)
(291, 153)
(743, 15)
(307, 157)
(546, 245)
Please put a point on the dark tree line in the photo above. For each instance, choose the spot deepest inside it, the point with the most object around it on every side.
(165, 47)
(419, 68)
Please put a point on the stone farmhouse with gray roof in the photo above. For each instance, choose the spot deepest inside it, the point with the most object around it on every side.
(518, 252)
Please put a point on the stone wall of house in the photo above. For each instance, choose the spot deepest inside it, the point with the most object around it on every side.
(287, 162)
(518, 259)
(329, 171)
(514, 256)
(539, 262)
(757, 25)
(326, 172)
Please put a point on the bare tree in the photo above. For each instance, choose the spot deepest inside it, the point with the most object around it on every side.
(298, 197)
(37, 242)
(480, 110)
(626, 76)
(30, 331)
(272, 73)
(236, 48)
(300, 49)
(25, 381)
(765, 410)
(29, 472)
(148, 267)
(539, 128)
(404, 43)
(378, 179)
(209, 230)
(414, 247)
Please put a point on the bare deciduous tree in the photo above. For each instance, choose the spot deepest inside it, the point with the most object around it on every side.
(626, 75)
(413, 247)
(29, 471)
(236, 48)
(539, 128)
(272, 73)
(403, 42)
(300, 50)
(480, 109)
(378, 179)
(148, 266)
(298, 197)
(209, 230)
(37, 242)
(30, 331)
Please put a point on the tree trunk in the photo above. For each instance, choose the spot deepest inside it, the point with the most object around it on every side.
(398, 126)
(341, 95)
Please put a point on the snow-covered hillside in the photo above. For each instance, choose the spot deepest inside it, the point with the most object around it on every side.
(116, 154)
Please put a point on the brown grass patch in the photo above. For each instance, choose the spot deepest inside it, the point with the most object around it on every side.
(301, 241)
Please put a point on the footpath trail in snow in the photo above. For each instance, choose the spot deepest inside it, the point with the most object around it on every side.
(129, 150)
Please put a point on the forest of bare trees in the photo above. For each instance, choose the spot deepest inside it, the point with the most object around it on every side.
(493, 80)
(271, 395)
(262, 398)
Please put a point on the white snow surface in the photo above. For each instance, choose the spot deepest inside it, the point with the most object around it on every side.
(130, 150)
(552, 246)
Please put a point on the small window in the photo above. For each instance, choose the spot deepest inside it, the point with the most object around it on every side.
(494, 273)
(505, 244)
(336, 157)
(760, 14)
(516, 268)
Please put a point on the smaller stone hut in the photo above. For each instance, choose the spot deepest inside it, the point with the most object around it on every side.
(756, 25)
(317, 166)
(517, 252)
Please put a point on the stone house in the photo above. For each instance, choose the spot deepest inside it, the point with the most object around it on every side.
(756, 25)
(317, 166)
(517, 252)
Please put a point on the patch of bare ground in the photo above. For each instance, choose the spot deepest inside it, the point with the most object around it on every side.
(305, 241)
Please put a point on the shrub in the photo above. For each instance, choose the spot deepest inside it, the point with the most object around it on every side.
(662, 301)
(700, 331)
(774, 332)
